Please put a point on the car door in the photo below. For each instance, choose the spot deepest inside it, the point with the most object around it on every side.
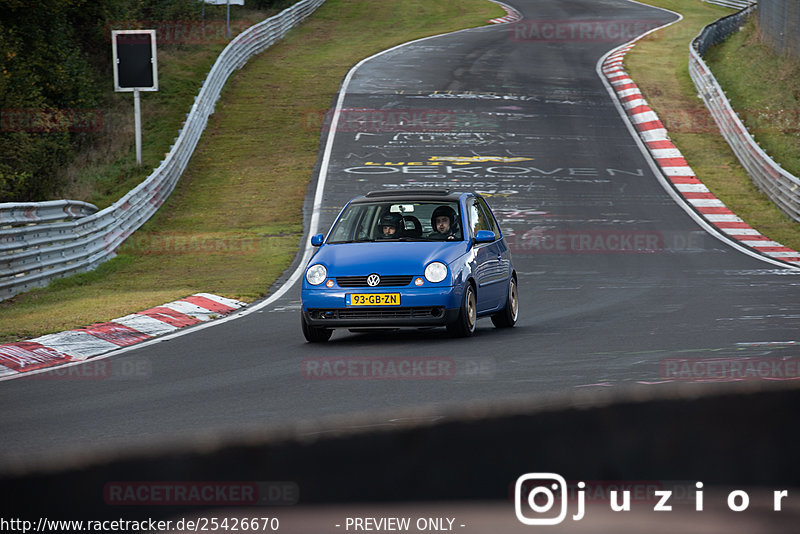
(500, 248)
(488, 264)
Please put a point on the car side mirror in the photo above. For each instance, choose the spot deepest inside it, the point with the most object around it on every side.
(316, 241)
(485, 236)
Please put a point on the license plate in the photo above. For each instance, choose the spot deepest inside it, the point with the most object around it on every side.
(373, 299)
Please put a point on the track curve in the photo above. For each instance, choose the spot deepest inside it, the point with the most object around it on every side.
(616, 280)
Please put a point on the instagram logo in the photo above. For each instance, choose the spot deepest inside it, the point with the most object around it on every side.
(538, 493)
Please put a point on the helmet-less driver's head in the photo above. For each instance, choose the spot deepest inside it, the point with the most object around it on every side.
(444, 221)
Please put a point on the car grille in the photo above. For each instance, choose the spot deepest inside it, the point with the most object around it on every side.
(379, 313)
(361, 281)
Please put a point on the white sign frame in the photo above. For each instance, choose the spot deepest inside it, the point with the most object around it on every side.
(153, 60)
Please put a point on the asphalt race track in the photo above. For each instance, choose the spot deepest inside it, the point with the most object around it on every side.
(617, 281)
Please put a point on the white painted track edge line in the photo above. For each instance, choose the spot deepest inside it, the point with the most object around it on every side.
(312, 229)
(700, 220)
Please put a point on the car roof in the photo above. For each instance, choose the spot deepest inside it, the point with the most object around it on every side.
(404, 195)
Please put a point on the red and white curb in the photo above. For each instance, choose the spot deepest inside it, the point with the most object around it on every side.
(84, 343)
(512, 15)
(677, 170)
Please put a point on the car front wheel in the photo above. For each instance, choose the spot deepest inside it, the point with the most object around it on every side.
(464, 325)
(314, 334)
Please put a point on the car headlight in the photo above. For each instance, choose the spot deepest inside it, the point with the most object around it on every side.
(435, 272)
(316, 274)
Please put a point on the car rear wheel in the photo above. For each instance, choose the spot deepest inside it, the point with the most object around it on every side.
(508, 316)
(315, 334)
(464, 325)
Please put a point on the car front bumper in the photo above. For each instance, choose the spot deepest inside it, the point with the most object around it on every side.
(418, 307)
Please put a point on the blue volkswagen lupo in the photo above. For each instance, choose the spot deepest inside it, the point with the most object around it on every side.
(410, 258)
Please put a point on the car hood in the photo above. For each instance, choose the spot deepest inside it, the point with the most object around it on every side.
(386, 258)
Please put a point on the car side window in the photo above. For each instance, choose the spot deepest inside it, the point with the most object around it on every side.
(477, 219)
(492, 222)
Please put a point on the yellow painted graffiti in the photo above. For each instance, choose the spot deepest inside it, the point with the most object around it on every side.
(414, 163)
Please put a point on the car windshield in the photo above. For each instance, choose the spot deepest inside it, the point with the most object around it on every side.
(398, 221)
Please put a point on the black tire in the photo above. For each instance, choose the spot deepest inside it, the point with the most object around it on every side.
(464, 325)
(314, 334)
(508, 316)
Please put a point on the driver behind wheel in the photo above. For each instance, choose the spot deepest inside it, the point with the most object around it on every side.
(444, 222)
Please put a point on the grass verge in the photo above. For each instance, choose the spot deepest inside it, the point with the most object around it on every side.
(105, 169)
(234, 222)
(659, 66)
(770, 110)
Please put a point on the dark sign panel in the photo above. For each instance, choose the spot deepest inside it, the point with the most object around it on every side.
(135, 64)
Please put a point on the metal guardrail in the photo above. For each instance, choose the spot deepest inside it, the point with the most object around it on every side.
(24, 213)
(735, 4)
(79, 238)
(782, 187)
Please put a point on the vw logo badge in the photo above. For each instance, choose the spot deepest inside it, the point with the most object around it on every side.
(373, 280)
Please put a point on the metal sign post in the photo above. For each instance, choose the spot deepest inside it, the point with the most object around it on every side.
(135, 70)
(137, 123)
(227, 3)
